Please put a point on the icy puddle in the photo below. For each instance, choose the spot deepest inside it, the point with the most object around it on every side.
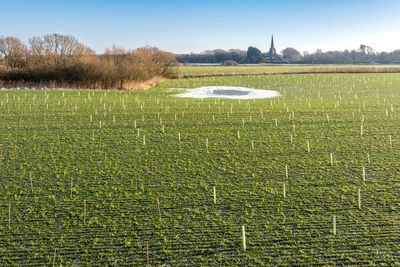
(230, 92)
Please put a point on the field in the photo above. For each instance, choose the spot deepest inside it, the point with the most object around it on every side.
(207, 70)
(144, 178)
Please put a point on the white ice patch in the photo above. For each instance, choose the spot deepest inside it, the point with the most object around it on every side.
(230, 92)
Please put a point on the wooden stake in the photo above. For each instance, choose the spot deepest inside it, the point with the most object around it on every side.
(31, 181)
(284, 190)
(9, 215)
(71, 185)
(244, 237)
(308, 146)
(159, 208)
(359, 198)
(334, 224)
(54, 257)
(287, 171)
(84, 212)
(215, 195)
(331, 159)
(363, 173)
(238, 135)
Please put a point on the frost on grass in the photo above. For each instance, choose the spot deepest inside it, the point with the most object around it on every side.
(230, 92)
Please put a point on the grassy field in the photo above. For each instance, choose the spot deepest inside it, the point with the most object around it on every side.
(128, 177)
(199, 71)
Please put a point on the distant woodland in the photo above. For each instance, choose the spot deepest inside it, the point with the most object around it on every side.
(62, 61)
(363, 55)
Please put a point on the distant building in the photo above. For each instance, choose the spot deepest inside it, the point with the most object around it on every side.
(272, 56)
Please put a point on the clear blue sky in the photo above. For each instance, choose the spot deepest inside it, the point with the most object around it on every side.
(183, 26)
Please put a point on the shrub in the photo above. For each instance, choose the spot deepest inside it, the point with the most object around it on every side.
(62, 59)
(230, 63)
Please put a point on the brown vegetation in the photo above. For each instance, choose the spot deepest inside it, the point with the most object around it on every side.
(62, 61)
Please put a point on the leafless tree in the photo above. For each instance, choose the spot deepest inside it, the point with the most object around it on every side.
(37, 50)
(13, 51)
(63, 59)
(115, 50)
(58, 48)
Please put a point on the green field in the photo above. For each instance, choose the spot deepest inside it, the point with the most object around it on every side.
(199, 71)
(128, 177)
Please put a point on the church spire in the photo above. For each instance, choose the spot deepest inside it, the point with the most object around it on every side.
(272, 56)
(272, 42)
(272, 51)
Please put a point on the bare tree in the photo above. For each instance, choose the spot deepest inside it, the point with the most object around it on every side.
(37, 50)
(59, 48)
(164, 62)
(115, 50)
(63, 59)
(13, 51)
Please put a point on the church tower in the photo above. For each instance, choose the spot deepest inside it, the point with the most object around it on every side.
(272, 56)
(272, 51)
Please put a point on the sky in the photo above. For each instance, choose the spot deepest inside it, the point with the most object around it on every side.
(184, 26)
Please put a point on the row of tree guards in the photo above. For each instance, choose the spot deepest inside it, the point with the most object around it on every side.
(334, 225)
(334, 231)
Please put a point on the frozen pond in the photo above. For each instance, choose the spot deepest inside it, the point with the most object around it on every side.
(230, 92)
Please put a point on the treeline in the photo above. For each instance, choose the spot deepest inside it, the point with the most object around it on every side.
(363, 55)
(61, 60)
(217, 56)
